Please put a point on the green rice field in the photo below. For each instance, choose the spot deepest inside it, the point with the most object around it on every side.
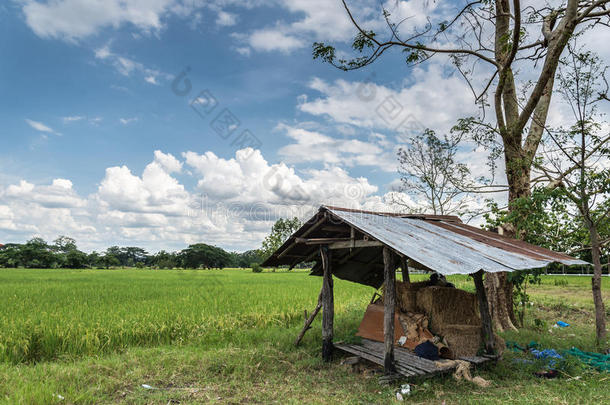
(226, 336)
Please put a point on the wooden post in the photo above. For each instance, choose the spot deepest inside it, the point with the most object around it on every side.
(328, 305)
(405, 269)
(486, 327)
(389, 305)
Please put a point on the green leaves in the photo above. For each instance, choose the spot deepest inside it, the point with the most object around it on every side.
(280, 232)
(324, 52)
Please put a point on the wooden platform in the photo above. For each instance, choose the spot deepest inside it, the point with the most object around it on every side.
(407, 363)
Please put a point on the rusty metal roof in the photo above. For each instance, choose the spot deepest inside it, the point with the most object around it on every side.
(440, 243)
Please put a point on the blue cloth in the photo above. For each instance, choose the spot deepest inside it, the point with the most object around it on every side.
(550, 354)
(427, 350)
(562, 324)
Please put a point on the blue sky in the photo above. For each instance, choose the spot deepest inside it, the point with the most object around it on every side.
(95, 144)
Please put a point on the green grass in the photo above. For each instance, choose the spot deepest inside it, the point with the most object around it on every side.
(95, 336)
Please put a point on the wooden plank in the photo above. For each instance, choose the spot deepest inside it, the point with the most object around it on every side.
(389, 303)
(425, 365)
(376, 358)
(328, 312)
(349, 244)
(320, 241)
(399, 364)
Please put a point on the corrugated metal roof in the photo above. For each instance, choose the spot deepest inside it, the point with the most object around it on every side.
(450, 247)
(441, 243)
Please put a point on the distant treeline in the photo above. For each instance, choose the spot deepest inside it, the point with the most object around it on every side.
(63, 253)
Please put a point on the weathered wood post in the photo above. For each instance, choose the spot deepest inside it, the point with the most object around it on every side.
(487, 329)
(405, 269)
(327, 305)
(389, 304)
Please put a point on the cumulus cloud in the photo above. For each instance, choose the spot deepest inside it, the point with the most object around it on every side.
(274, 40)
(233, 204)
(430, 98)
(312, 146)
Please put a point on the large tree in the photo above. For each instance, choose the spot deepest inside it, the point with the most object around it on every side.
(504, 37)
(431, 174)
(578, 163)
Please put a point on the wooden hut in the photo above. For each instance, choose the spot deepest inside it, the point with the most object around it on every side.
(367, 247)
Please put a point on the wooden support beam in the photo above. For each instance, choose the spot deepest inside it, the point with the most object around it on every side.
(309, 320)
(328, 312)
(487, 328)
(320, 241)
(405, 269)
(389, 308)
(349, 244)
(307, 232)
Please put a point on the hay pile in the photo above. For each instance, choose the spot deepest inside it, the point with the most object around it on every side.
(448, 306)
(448, 312)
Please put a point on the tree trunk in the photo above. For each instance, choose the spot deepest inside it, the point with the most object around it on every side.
(596, 285)
(499, 298)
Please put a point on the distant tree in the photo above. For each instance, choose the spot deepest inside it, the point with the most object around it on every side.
(134, 255)
(75, 259)
(36, 253)
(94, 260)
(64, 244)
(10, 255)
(128, 256)
(280, 232)
(430, 174)
(200, 255)
(164, 260)
(109, 259)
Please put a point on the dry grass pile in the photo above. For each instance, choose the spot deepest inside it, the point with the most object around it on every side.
(448, 306)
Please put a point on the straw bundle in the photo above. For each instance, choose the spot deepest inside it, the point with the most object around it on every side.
(463, 340)
(448, 306)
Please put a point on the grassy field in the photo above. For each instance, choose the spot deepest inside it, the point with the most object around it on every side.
(95, 336)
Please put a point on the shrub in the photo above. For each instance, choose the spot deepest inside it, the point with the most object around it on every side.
(256, 268)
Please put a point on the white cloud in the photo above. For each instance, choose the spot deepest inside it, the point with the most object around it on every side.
(233, 205)
(126, 66)
(429, 98)
(75, 19)
(127, 121)
(39, 126)
(312, 146)
(243, 50)
(73, 118)
(274, 40)
(226, 19)
(151, 79)
(59, 194)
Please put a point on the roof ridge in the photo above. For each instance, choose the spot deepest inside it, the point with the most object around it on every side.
(434, 217)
